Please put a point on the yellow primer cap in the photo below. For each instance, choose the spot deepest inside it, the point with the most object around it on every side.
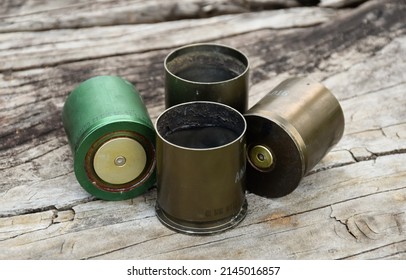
(119, 160)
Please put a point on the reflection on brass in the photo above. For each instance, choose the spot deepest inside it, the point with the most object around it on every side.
(299, 120)
(201, 163)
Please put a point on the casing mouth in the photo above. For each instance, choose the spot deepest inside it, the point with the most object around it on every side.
(207, 72)
(206, 63)
(200, 125)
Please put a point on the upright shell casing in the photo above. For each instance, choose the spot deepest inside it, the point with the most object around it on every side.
(289, 131)
(207, 72)
(112, 138)
(201, 189)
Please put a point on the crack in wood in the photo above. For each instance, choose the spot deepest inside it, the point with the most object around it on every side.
(28, 211)
(376, 129)
(344, 223)
(370, 225)
(371, 91)
(128, 246)
(15, 162)
(197, 245)
(353, 156)
(391, 255)
(314, 171)
(49, 221)
(393, 152)
(374, 157)
(374, 249)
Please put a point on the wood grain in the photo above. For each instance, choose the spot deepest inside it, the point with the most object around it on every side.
(350, 206)
(47, 15)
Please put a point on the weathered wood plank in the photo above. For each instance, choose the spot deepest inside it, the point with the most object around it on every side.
(47, 15)
(301, 228)
(333, 214)
(31, 149)
(316, 221)
(60, 46)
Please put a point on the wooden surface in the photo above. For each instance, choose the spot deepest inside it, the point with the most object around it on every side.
(352, 204)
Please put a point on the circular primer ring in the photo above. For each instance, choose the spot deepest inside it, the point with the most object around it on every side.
(125, 187)
(83, 161)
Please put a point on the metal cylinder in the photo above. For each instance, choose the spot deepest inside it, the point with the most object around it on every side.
(289, 131)
(207, 72)
(112, 138)
(201, 164)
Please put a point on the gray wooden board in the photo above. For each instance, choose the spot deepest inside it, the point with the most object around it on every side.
(350, 206)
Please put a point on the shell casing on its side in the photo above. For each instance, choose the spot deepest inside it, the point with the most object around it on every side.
(207, 72)
(296, 124)
(201, 163)
(112, 138)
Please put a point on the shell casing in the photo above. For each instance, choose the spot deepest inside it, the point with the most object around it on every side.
(207, 72)
(298, 122)
(201, 163)
(112, 138)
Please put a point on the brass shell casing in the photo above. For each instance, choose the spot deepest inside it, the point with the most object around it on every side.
(207, 72)
(201, 173)
(298, 122)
